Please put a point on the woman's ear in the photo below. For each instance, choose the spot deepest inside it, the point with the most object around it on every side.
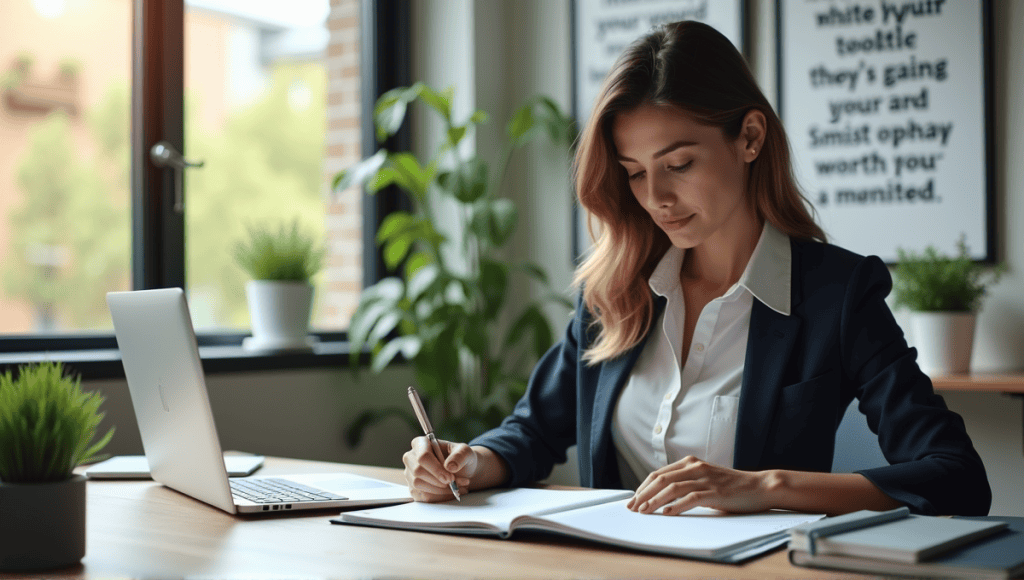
(752, 134)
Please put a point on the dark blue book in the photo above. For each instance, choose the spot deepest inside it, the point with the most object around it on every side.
(999, 556)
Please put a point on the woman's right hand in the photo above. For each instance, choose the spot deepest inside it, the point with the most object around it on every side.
(428, 478)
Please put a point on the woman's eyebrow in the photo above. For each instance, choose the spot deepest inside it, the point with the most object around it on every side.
(661, 152)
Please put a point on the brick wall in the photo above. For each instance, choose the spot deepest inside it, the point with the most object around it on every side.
(344, 268)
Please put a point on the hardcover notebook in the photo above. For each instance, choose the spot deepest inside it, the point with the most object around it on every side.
(999, 555)
(595, 515)
(908, 539)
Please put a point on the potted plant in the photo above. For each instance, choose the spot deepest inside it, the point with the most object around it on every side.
(281, 262)
(47, 425)
(448, 312)
(944, 295)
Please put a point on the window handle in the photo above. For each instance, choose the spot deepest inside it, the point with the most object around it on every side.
(164, 154)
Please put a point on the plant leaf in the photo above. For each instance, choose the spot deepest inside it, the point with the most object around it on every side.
(518, 328)
(285, 253)
(409, 346)
(360, 172)
(416, 261)
(390, 288)
(473, 182)
(534, 271)
(479, 117)
(396, 250)
(410, 175)
(521, 122)
(424, 277)
(503, 220)
(440, 102)
(389, 113)
(385, 324)
(475, 337)
(384, 177)
(373, 303)
(455, 135)
(493, 282)
(393, 224)
(542, 337)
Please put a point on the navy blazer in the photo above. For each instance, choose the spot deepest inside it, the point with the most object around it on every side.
(800, 374)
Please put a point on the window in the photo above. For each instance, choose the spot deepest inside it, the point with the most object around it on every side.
(64, 196)
(274, 102)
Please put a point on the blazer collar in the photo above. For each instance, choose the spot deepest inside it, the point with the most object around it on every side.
(769, 273)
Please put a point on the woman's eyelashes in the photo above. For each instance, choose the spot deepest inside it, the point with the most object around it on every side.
(673, 168)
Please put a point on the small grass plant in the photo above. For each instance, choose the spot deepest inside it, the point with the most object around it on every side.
(47, 424)
(933, 282)
(284, 253)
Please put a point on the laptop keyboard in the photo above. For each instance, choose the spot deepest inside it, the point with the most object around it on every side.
(274, 490)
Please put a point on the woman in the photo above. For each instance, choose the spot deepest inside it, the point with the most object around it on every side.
(718, 340)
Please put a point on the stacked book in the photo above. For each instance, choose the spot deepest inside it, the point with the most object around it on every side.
(896, 542)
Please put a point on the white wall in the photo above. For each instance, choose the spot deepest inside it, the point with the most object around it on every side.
(301, 414)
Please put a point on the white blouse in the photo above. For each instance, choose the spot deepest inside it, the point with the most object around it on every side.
(671, 408)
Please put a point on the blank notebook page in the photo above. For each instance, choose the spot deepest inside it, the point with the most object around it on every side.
(696, 529)
(495, 507)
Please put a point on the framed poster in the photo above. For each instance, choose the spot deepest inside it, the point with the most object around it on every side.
(601, 30)
(888, 109)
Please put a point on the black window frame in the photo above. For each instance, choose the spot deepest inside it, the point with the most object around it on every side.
(158, 232)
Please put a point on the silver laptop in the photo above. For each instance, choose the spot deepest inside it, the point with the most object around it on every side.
(168, 391)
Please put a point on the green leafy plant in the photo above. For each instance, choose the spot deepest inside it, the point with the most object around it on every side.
(445, 314)
(286, 253)
(935, 282)
(47, 424)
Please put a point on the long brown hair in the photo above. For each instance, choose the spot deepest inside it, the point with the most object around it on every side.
(693, 67)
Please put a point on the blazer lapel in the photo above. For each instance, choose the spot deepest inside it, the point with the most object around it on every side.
(769, 344)
(609, 383)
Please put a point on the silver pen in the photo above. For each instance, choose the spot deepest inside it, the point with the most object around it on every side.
(421, 414)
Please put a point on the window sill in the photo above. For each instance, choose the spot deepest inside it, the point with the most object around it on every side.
(93, 364)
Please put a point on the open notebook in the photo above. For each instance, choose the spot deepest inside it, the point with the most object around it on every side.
(596, 515)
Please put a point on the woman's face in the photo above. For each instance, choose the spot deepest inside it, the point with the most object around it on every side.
(689, 177)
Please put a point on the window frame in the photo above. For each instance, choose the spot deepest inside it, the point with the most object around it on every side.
(158, 232)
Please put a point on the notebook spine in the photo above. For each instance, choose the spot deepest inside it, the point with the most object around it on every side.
(850, 522)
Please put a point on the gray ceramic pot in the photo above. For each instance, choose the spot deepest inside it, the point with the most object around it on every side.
(42, 525)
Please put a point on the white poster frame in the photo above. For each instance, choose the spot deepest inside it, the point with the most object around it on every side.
(911, 72)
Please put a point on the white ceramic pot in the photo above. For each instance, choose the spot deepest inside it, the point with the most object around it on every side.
(42, 525)
(944, 341)
(279, 313)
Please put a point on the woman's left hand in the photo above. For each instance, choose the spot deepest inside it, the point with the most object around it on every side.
(691, 482)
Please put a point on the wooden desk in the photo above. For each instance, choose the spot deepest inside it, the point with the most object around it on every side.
(1000, 383)
(1008, 384)
(144, 530)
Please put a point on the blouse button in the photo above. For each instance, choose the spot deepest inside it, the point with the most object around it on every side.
(657, 430)
(700, 348)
